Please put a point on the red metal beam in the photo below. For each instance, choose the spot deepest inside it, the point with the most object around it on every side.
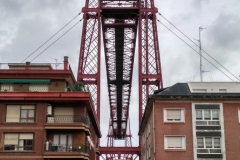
(121, 150)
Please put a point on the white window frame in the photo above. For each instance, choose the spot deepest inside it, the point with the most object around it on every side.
(207, 122)
(239, 115)
(182, 120)
(207, 150)
(183, 137)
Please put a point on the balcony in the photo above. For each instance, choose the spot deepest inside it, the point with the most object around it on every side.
(68, 119)
(66, 151)
(67, 148)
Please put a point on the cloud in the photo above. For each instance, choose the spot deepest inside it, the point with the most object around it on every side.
(224, 32)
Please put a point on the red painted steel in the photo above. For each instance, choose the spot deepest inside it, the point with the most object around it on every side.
(120, 21)
(90, 49)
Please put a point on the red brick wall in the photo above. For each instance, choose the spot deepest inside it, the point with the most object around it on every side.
(232, 130)
(162, 129)
(37, 128)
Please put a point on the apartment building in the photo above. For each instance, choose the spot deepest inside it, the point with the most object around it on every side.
(46, 114)
(192, 121)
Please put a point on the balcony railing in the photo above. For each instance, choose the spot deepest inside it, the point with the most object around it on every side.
(17, 148)
(67, 148)
(207, 123)
(209, 150)
(68, 119)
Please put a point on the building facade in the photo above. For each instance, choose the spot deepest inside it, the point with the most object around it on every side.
(195, 120)
(46, 114)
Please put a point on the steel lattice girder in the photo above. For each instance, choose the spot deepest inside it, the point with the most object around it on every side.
(120, 21)
(150, 74)
(89, 59)
(119, 35)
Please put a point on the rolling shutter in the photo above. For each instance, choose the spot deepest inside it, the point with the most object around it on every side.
(63, 111)
(11, 139)
(13, 113)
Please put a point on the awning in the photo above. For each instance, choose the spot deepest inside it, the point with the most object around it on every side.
(24, 81)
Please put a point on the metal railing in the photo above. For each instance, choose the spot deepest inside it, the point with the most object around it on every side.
(67, 119)
(67, 148)
(33, 66)
(209, 150)
(17, 148)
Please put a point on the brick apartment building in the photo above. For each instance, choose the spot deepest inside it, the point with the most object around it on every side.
(192, 121)
(45, 115)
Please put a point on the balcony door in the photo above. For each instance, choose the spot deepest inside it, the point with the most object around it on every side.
(63, 141)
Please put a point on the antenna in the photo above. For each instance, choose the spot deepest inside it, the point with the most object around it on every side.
(200, 52)
(56, 65)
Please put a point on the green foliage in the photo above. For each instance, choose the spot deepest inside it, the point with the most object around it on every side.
(78, 86)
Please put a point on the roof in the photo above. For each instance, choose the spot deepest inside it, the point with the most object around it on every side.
(200, 89)
(192, 90)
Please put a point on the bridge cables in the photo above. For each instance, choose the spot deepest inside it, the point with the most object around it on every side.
(52, 37)
(198, 47)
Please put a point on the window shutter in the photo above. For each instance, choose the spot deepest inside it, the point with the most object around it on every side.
(174, 114)
(63, 111)
(11, 139)
(174, 142)
(26, 136)
(27, 107)
(13, 113)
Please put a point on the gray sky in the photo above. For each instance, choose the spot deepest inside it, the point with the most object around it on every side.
(26, 24)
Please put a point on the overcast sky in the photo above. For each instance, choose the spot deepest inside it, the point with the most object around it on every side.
(26, 24)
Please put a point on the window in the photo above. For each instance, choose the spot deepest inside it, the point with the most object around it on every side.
(6, 87)
(18, 141)
(208, 145)
(38, 87)
(207, 117)
(174, 115)
(20, 113)
(200, 90)
(62, 141)
(223, 90)
(174, 142)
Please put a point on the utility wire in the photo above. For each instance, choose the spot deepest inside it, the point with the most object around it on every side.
(198, 46)
(56, 40)
(195, 50)
(50, 37)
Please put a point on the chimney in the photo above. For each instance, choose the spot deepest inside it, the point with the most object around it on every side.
(27, 66)
(65, 62)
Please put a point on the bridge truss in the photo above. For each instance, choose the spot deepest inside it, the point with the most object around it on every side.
(119, 21)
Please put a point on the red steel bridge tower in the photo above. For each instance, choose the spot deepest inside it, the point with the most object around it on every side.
(127, 27)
